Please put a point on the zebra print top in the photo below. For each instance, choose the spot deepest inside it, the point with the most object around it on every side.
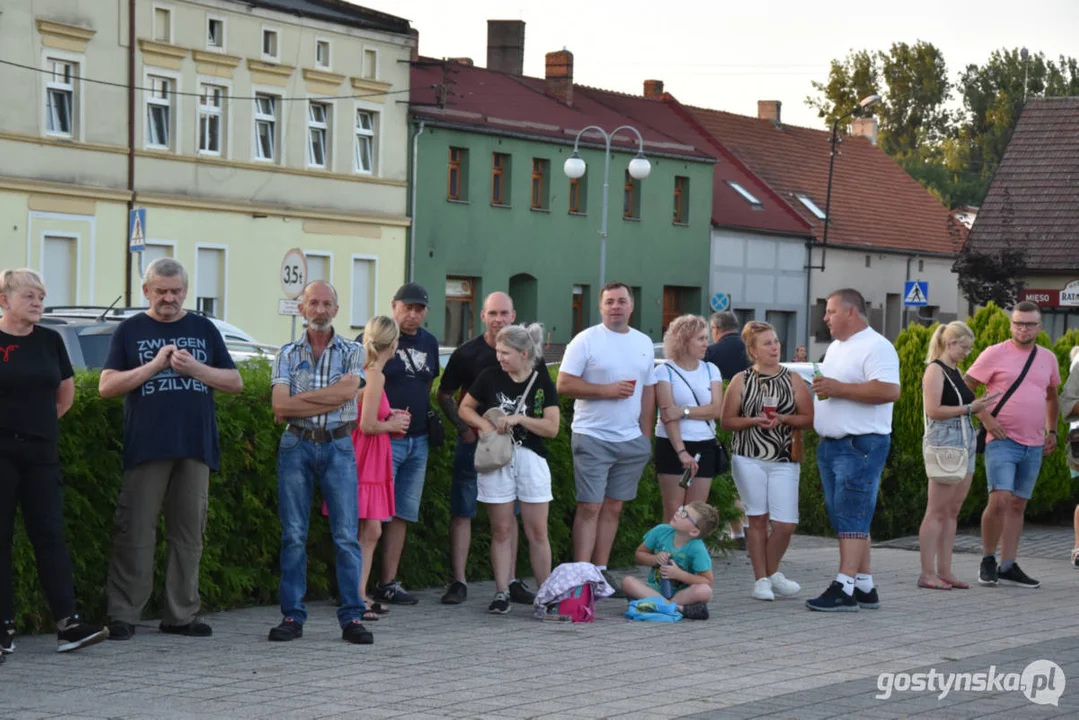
(772, 445)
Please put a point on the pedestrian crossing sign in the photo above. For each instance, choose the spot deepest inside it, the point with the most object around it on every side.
(916, 293)
(137, 230)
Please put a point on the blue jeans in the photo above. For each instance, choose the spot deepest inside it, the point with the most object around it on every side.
(299, 462)
(1012, 467)
(409, 470)
(850, 469)
(463, 489)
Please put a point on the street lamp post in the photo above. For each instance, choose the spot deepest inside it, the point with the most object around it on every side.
(639, 168)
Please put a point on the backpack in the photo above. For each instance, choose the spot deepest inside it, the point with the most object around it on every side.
(656, 609)
(579, 607)
(570, 593)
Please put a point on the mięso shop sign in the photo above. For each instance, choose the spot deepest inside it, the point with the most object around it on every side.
(1068, 297)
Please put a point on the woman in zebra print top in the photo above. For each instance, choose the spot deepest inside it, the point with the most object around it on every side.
(763, 408)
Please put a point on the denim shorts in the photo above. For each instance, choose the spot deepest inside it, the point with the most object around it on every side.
(409, 470)
(949, 433)
(1012, 467)
(463, 489)
(850, 469)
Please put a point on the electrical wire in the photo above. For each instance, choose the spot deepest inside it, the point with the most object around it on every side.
(198, 95)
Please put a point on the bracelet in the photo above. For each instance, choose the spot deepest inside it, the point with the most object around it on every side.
(683, 450)
(1050, 432)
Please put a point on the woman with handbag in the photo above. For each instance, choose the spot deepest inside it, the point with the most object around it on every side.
(689, 395)
(949, 450)
(766, 409)
(514, 407)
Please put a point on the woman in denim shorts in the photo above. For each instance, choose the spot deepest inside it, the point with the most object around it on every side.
(949, 406)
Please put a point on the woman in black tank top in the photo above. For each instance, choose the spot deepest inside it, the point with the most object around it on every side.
(949, 406)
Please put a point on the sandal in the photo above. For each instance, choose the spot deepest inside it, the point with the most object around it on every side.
(956, 584)
(369, 616)
(378, 608)
(922, 583)
(696, 611)
(1075, 557)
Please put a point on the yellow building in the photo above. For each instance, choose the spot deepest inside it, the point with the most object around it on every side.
(258, 127)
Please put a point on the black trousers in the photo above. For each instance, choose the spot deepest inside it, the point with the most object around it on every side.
(30, 478)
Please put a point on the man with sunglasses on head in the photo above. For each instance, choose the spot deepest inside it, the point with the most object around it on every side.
(1021, 428)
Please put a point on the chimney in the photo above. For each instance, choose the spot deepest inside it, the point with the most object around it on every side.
(414, 54)
(865, 127)
(560, 75)
(506, 46)
(461, 61)
(653, 88)
(769, 110)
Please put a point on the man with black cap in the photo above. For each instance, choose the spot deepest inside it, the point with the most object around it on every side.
(410, 375)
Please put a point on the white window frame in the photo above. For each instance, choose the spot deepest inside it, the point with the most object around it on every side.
(153, 22)
(68, 88)
(77, 237)
(224, 33)
(34, 216)
(224, 280)
(352, 320)
(279, 126)
(262, 43)
(810, 205)
(329, 53)
(745, 194)
(226, 115)
(375, 110)
(221, 112)
(159, 243)
(327, 133)
(329, 264)
(175, 114)
(363, 70)
(78, 102)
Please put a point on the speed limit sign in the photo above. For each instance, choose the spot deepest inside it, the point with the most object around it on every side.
(293, 273)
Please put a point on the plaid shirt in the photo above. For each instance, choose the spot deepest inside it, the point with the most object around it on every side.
(295, 366)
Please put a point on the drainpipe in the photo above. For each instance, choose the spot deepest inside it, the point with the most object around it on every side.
(809, 295)
(415, 182)
(130, 143)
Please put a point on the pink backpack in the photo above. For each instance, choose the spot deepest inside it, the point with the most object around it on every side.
(580, 606)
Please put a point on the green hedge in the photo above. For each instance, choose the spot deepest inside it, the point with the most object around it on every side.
(240, 556)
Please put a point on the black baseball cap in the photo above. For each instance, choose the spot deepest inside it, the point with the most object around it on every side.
(411, 294)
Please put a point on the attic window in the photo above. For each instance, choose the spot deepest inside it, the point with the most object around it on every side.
(811, 206)
(746, 195)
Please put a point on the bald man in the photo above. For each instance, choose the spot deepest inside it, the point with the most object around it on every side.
(465, 365)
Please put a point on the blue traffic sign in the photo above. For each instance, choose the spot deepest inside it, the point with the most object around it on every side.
(721, 302)
(916, 293)
(136, 230)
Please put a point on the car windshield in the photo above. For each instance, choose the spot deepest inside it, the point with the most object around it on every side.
(95, 348)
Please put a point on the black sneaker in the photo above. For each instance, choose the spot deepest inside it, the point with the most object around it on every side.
(393, 593)
(195, 628)
(120, 630)
(616, 585)
(520, 594)
(834, 599)
(987, 574)
(501, 604)
(357, 634)
(7, 638)
(455, 594)
(868, 600)
(1015, 576)
(78, 634)
(289, 629)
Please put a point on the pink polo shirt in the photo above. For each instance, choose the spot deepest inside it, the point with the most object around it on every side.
(1023, 416)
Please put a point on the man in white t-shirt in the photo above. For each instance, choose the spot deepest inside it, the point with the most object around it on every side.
(609, 369)
(859, 382)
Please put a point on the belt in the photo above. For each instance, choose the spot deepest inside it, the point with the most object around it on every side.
(321, 435)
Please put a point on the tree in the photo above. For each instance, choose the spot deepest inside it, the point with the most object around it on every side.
(990, 276)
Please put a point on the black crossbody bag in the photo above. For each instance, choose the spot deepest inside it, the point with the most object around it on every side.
(1000, 405)
(436, 431)
(723, 456)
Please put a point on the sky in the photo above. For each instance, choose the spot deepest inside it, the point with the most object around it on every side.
(728, 55)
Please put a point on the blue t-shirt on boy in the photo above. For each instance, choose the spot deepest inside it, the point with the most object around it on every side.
(692, 557)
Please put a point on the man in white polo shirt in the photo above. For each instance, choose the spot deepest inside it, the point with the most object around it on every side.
(859, 382)
(608, 368)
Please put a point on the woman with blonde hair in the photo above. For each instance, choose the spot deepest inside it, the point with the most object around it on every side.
(949, 405)
(689, 394)
(764, 408)
(371, 440)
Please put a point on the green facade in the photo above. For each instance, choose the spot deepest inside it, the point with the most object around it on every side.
(540, 255)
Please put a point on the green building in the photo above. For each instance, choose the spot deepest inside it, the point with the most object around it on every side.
(493, 208)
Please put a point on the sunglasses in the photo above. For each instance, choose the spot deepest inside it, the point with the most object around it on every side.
(683, 513)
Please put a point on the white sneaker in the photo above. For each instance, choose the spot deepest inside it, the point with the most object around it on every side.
(762, 590)
(783, 586)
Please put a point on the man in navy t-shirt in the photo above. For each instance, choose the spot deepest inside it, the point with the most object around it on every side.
(410, 375)
(166, 363)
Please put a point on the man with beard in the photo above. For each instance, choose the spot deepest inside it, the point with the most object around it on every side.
(167, 363)
(315, 381)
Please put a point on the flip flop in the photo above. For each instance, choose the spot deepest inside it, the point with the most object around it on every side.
(370, 616)
(378, 608)
(933, 586)
(956, 584)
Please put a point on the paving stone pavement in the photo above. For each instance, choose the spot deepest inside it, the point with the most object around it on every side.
(1038, 541)
(752, 659)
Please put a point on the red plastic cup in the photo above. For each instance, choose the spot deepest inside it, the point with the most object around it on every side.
(770, 407)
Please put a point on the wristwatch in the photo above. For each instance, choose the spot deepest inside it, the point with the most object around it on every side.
(685, 412)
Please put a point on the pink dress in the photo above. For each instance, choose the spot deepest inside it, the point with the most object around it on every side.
(374, 469)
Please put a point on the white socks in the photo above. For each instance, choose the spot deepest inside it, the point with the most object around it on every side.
(847, 582)
(863, 582)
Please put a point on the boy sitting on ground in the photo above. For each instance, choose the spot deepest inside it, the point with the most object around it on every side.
(675, 551)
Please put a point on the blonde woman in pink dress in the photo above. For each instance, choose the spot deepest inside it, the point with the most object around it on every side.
(374, 456)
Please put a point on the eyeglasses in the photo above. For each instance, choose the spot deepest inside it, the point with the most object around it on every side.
(1025, 325)
(683, 513)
